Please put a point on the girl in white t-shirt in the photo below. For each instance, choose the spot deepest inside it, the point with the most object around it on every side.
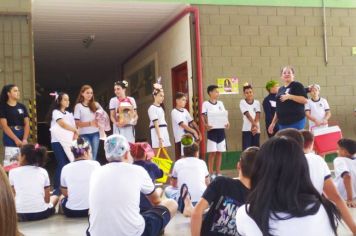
(125, 127)
(158, 124)
(251, 110)
(182, 122)
(345, 170)
(63, 132)
(190, 177)
(317, 109)
(283, 200)
(84, 115)
(31, 186)
(75, 178)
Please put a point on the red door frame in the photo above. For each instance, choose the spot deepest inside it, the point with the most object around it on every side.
(199, 69)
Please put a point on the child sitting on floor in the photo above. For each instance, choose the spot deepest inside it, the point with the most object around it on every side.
(190, 175)
(30, 183)
(75, 178)
(141, 153)
(345, 171)
(222, 198)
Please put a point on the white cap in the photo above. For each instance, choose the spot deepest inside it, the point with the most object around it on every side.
(116, 146)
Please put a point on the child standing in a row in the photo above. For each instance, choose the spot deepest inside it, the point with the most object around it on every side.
(251, 110)
(216, 143)
(158, 124)
(182, 122)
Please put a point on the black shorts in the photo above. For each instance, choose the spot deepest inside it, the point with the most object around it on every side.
(216, 135)
(156, 220)
(73, 213)
(36, 216)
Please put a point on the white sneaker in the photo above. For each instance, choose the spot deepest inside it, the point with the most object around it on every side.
(213, 176)
(219, 174)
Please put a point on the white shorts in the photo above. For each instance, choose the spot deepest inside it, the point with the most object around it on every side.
(164, 136)
(212, 146)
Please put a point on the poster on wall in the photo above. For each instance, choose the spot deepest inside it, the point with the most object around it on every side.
(228, 85)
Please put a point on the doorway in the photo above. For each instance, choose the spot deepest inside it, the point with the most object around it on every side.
(180, 82)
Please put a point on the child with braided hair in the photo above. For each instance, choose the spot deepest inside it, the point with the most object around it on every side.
(75, 178)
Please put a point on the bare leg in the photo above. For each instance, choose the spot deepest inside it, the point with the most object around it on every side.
(171, 205)
(54, 200)
(218, 162)
(159, 191)
(188, 207)
(211, 162)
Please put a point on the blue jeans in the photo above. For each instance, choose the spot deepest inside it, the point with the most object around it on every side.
(8, 142)
(94, 140)
(62, 160)
(299, 125)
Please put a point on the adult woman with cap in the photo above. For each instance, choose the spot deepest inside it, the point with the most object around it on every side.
(13, 117)
(122, 105)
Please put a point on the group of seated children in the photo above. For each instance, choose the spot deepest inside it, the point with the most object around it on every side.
(123, 200)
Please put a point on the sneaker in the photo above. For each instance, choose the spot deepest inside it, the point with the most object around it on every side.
(219, 174)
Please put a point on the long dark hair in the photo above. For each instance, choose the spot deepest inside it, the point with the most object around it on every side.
(4, 97)
(34, 155)
(56, 104)
(280, 183)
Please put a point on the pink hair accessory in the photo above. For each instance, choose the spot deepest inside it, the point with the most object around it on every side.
(54, 94)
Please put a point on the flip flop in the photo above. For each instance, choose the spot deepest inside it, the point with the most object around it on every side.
(183, 194)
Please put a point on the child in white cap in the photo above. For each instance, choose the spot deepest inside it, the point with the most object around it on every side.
(114, 196)
(317, 109)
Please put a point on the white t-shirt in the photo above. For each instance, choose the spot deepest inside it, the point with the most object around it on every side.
(156, 113)
(75, 178)
(191, 171)
(66, 116)
(114, 103)
(253, 109)
(209, 106)
(342, 165)
(318, 171)
(179, 117)
(84, 114)
(312, 225)
(114, 199)
(317, 109)
(29, 183)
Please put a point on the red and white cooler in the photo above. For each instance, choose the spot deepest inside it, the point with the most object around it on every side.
(326, 138)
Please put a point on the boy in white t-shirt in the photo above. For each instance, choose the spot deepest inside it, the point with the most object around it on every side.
(251, 110)
(75, 179)
(345, 171)
(182, 122)
(114, 196)
(190, 175)
(317, 109)
(216, 143)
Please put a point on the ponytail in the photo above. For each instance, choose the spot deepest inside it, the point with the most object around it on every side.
(34, 155)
